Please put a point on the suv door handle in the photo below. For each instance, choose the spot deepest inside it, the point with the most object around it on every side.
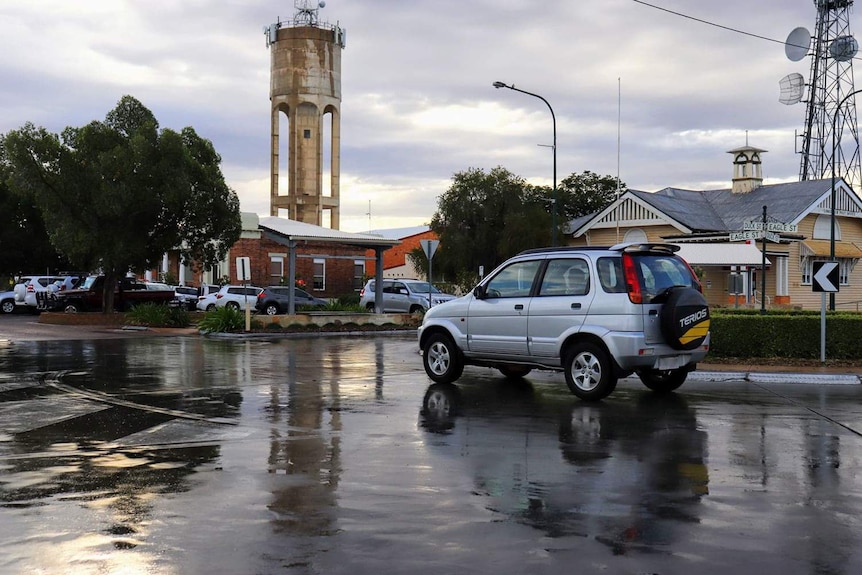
(576, 306)
(519, 306)
(653, 312)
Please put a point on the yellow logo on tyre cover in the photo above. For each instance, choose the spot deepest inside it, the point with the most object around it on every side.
(697, 331)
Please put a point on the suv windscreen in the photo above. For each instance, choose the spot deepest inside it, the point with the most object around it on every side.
(421, 287)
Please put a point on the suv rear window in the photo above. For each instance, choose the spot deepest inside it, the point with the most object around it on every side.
(658, 272)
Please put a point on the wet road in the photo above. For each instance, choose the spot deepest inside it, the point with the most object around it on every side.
(177, 455)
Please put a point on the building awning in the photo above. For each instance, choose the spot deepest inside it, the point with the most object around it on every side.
(721, 254)
(822, 248)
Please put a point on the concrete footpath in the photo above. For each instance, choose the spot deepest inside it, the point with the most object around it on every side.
(756, 373)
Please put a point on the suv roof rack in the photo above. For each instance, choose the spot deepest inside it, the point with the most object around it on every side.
(562, 249)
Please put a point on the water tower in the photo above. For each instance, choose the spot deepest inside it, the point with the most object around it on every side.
(305, 86)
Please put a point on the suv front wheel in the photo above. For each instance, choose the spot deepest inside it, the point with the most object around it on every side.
(589, 373)
(441, 359)
(663, 381)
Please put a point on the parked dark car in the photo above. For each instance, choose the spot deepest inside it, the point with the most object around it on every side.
(273, 300)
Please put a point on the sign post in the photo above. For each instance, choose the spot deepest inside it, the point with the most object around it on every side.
(429, 247)
(825, 279)
(243, 273)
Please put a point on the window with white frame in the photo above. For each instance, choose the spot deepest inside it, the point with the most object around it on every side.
(845, 267)
(319, 275)
(276, 269)
(358, 274)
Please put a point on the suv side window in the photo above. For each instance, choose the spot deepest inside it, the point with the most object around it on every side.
(515, 280)
(611, 275)
(566, 277)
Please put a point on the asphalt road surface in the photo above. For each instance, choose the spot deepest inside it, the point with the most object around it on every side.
(127, 453)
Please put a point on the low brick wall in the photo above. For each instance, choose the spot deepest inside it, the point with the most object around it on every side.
(324, 318)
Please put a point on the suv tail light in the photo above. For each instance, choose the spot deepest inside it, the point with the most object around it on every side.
(260, 295)
(219, 295)
(633, 284)
(30, 288)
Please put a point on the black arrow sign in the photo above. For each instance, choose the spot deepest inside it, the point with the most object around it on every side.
(825, 277)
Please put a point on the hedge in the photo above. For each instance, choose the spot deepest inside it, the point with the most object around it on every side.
(796, 334)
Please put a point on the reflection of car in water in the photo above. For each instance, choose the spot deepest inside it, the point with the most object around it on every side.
(629, 474)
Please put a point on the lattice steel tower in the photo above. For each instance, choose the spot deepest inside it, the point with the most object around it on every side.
(831, 100)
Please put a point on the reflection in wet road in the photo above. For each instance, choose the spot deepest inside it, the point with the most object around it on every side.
(337, 455)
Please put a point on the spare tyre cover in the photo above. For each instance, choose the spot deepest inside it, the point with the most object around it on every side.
(685, 318)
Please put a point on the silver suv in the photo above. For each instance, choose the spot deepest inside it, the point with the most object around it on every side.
(403, 295)
(597, 314)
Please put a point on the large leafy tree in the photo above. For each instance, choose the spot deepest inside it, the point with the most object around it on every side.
(24, 243)
(585, 193)
(118, 194)
(484, 218)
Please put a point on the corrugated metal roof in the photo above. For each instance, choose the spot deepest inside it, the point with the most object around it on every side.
(724, 254)
(294, 230)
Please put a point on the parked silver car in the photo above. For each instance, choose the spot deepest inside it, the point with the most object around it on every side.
(597, 314)
(403, 295)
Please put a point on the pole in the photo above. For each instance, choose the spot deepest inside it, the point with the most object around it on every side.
(763, 268)
(553, 147)
(832, 193)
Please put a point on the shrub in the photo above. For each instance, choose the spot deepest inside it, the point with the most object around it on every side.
(221, 320)
(791, 333)
(158, 315)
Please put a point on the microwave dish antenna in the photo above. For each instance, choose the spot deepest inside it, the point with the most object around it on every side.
(792, 89)
(797, 43)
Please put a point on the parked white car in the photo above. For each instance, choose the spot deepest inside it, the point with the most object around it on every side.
(236, 296)
(206, 302)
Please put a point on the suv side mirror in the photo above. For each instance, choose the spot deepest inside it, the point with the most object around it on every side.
(479, 292)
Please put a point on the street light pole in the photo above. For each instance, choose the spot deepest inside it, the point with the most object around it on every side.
(832, 194)
(553, 147)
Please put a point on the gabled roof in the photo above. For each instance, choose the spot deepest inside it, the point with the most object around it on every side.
(723, 211)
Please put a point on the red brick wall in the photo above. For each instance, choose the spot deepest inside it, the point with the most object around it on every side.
(397, 255)
(339, 271)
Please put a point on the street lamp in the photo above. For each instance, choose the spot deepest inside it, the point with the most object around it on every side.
(553, 147)
(832, 194)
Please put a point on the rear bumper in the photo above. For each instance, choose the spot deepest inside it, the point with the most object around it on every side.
(632, 353)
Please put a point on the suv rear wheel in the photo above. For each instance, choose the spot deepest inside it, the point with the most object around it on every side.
(589, 373)
(8, 305)
(271, 309)
(663, 381)
(441, 359)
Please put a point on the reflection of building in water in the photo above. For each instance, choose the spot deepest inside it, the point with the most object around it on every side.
(305, 445)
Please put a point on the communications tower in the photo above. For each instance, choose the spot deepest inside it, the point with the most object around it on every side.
(830, 138)
(305, 85)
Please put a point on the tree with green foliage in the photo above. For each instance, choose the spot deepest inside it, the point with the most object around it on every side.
(586, 193)
(25, 244)
(484, 218)
(118, 194)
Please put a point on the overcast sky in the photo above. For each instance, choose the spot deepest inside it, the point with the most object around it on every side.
(418, 103)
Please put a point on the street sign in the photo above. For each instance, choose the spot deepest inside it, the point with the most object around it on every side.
(825, 277)
(243, 269)
(754, 235)
(429, 247)
(770, 227)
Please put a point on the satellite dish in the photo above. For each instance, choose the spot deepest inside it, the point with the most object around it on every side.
(792, 87)
(796, 45)
(844, 48)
